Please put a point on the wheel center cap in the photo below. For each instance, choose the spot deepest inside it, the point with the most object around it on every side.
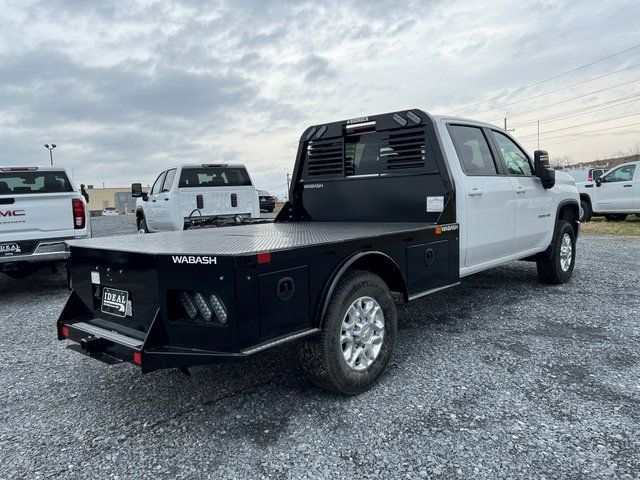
(366, 333)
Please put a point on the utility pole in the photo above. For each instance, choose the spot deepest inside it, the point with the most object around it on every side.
(288, 182)
(505, 126)
(50, 148)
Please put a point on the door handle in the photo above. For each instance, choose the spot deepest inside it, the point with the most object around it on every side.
(154, 200)
(475, 192)
(521, 190)
(166, 199)
(627, 186)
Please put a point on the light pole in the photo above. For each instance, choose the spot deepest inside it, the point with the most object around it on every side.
(50, 148)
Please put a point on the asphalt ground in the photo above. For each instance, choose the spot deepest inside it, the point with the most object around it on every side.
(501, 377)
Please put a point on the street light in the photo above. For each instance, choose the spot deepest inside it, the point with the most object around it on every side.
(50, 148)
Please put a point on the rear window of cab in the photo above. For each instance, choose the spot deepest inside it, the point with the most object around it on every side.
(214, 177)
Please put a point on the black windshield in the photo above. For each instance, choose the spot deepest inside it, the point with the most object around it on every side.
(17, 183)
(214, 177)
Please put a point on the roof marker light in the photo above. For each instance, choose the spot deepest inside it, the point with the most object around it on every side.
(413, 117)
(310, 133)
(323, 129)
(399, 119)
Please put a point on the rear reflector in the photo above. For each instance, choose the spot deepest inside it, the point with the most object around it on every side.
(264, 257)
(65, 332)
(79, 220)
(137, 358)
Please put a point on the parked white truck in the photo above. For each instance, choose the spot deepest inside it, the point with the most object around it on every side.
(404, 202)
(39, 210)
(193, 194)
(616, 194)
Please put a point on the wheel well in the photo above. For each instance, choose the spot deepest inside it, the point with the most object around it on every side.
(570, 213)
(385, 268)
(374, 262)
(586, 198)
(139, 214)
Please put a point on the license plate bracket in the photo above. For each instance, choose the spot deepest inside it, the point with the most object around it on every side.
(114, 302)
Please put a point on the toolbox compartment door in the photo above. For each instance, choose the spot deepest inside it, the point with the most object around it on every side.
(284, 301)
(427, 266)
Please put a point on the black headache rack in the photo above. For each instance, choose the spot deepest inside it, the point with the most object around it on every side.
(201, 296)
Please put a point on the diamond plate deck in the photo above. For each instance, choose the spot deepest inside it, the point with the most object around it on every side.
(247, 239)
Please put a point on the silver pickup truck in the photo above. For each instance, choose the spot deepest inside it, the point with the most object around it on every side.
(39, 210)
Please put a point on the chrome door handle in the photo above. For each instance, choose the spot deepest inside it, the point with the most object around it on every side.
(521, 190)
(476, 192)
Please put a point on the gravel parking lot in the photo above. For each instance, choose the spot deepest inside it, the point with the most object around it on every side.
(501, 377)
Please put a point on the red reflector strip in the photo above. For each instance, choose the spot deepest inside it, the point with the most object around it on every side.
(137, 358)
(264, 257)
(65, 332)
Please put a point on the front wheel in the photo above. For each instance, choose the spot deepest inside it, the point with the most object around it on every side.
(617, 217)
(357, 337)
(557, 267)
(585, 211)
(142, 226)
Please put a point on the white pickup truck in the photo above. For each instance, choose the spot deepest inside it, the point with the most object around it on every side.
(192, 194)
(39, 210)
(616, 194)
(401, 202)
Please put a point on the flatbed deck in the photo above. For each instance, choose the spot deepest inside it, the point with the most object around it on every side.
(248, 239)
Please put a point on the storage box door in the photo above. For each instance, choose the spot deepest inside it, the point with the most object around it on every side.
(427, 266)
(284, 302)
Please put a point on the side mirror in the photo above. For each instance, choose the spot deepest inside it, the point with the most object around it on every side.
(543, 169)
(136, 191)
(598, 181)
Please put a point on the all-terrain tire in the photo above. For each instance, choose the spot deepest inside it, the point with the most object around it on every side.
(557, 268)
(585, 211)
(322, 356)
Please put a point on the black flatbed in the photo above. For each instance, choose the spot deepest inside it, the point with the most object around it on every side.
(249, 239)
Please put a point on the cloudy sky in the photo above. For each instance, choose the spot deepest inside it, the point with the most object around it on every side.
(126, 89)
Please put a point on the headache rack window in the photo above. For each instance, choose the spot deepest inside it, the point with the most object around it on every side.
(386, 152)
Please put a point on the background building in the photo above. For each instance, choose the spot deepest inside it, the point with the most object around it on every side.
(120, 198)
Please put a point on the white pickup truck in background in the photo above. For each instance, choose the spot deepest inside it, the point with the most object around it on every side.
(615, 194)
(193, 194)
(39, 210)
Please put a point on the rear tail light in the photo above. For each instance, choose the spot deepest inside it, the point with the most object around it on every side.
(221, 313)
(65, 332)
(137, 358)
(205, 311)
(188, 305)
(590, 177)
(79, 220)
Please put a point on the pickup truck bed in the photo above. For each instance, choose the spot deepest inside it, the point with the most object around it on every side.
(249, 239)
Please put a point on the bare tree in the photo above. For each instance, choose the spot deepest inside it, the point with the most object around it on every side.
(635, 149)
(561, 162)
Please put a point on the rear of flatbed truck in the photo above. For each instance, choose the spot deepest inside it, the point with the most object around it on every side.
(371, 194)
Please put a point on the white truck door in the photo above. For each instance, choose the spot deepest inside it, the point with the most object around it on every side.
(164, 204)
(151, 207)
(534, 207)
(490, 201)
(616, 191)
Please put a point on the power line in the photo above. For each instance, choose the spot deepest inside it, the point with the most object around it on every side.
(575, 98)
(558, 89)
(583, 124)
(551, 78)
(589, 132)
(583, 110)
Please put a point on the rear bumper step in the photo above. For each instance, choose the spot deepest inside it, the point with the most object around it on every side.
(109, 335)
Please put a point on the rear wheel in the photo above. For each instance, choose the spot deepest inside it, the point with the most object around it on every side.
(617, 217)
(142, 225)
(585, 211)
(357, 337)
(557, 268)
